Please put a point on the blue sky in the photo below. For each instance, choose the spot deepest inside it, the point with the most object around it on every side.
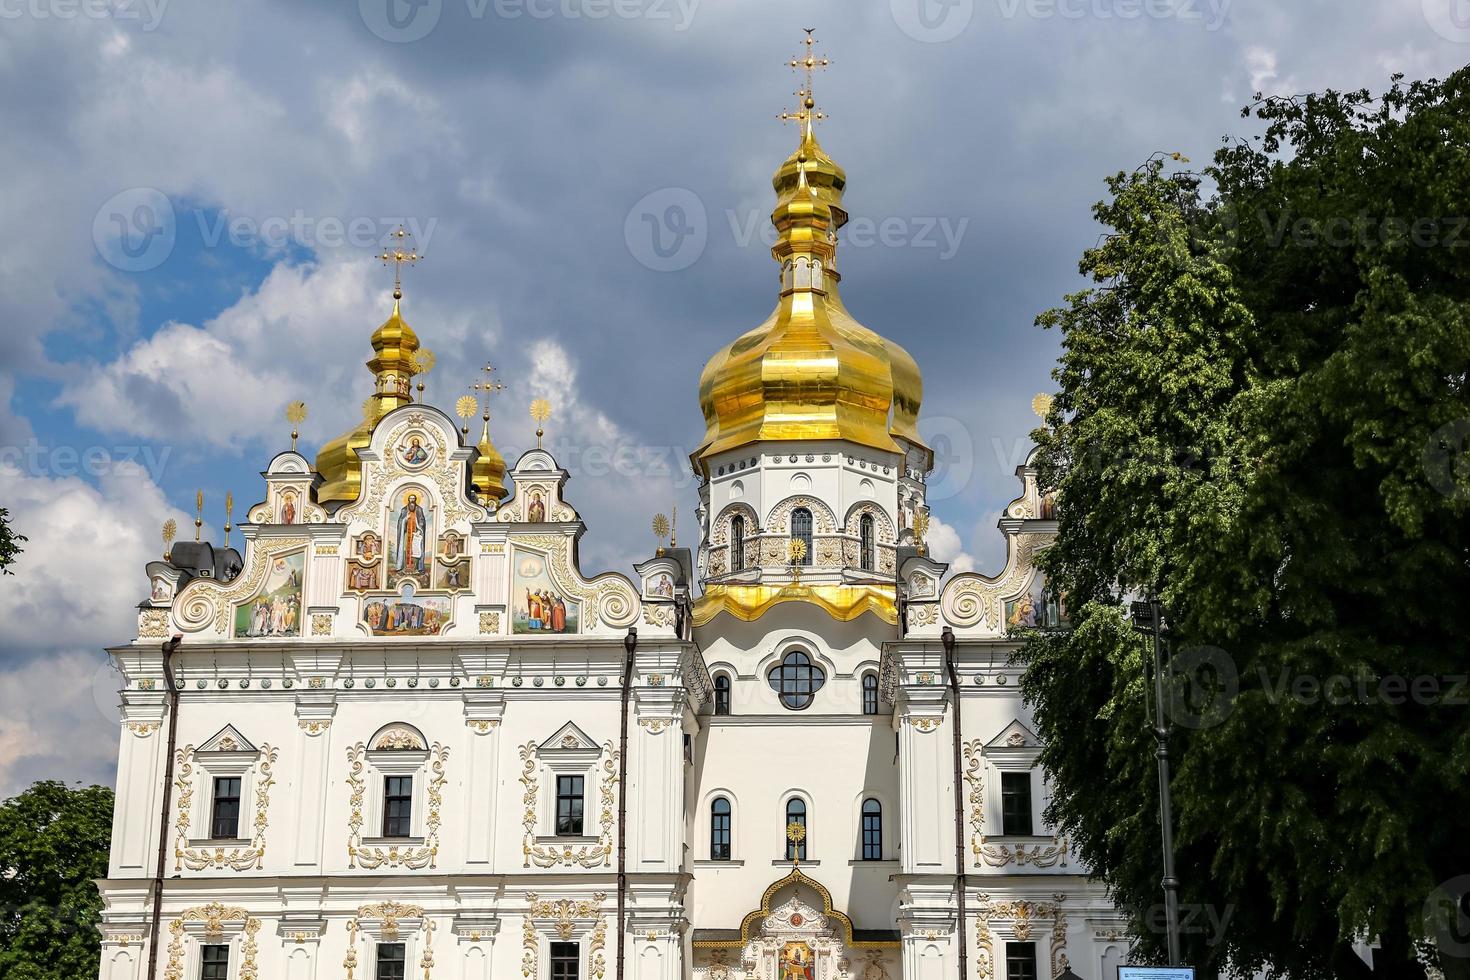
(589, 183)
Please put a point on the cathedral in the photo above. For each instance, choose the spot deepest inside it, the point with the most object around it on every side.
(402, 733)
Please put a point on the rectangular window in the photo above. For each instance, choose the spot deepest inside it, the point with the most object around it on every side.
(1020, 961)
(1015, 804)
(391, 961)
(565, 961)
(872, 831)
(225, 820)
(397, 806)
(569, 806)
(214, 962)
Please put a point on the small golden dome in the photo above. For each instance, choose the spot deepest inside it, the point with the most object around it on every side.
(810, 371)
(488, 474)
(392, 365)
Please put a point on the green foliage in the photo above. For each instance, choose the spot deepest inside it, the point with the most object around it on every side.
(53, 846)
(1263, 412)
(9, 543)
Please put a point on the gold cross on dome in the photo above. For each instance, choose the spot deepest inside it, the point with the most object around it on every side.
(398, 256)
(806, 111)
(489, 386)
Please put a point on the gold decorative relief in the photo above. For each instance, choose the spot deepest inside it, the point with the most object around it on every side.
(984, 942)
(234, 858)
(388, 915)
(975, 777)
(1038, 855)
(489, 623)
(925, 725)
(587, 855)
(153, 624)
(143, 729)
(564, 914)
(530, 946)
(214, 916)
(654, 725)
(315, 727)
(482, 726)
(321, 624)
(414, 857)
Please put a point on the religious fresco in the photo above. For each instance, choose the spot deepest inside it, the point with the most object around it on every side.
(363, 578)
(414, 451)
(536, 507)
(796, 962)
(1038, 606)
(451, 576)
(538, 606)
(276, 611)
(367, 548)
(407, 614)
(410, 536)
(288, 507)
(660, 586)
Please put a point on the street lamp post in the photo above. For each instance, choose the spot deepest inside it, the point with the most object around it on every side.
(1148, 616)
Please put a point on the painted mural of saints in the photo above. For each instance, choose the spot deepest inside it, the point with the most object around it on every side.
(796, 962)
(536, 509)
(413, 528)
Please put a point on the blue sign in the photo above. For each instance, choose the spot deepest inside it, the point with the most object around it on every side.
(1155, 973)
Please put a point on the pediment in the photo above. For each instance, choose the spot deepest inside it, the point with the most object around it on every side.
(1014, 736)
(568, 738)
(228, 739)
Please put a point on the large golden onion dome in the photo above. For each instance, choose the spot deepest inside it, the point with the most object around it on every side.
(810, 371)
(392, 365)
(488, 474)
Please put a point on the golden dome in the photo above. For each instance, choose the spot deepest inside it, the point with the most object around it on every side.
(488, 474)
(810, 371)
(393, 369)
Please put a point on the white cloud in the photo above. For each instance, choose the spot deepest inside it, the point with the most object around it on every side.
(945, 545)
(60, 720)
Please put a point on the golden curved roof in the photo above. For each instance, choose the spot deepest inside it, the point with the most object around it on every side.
(393, 368)
(811, 370)
(488, 473)
(843, 603)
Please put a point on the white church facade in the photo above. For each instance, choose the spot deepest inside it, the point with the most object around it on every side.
(403, 734)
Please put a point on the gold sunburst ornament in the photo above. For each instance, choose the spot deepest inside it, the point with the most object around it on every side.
(423, 363)
(795, 557)
(660, 529)
(795, 833)
(466, 408)
(170, 531)
(540, 411)
(921, 531)
(295, 414)
(1042, 404)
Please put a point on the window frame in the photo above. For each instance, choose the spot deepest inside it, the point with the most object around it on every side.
(871, 834)
(564, 952)
(802, 529)
(872, 700)
(723, 691)
(392, 781)
(1014, 777)
(1021, 950)
(216, 800)
(716, 831)
(867, 543)
(378, 963)
(815, 678)
(737, 543)
(205, 964)
(577, 801)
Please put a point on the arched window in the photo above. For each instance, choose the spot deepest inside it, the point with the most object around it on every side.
(866, 558)
(872, 830)
(795, 814)
(870, 694)
(719, 829)
(722, 694)
(797, 680)
(801, 530)
(737, 543)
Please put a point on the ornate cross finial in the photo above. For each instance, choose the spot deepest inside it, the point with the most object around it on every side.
(295, 414)
(198, 514)
(807, 62)
(489, 386)
(398, 256)
(230, 512)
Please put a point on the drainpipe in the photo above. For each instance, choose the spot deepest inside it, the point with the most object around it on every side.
(961, 879)
(172, 690)
(630, 646)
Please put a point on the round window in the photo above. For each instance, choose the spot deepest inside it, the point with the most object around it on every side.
(797, 680)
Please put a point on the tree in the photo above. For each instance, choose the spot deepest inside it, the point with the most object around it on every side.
(1263, 412)
(53, 846)
(9, 543)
